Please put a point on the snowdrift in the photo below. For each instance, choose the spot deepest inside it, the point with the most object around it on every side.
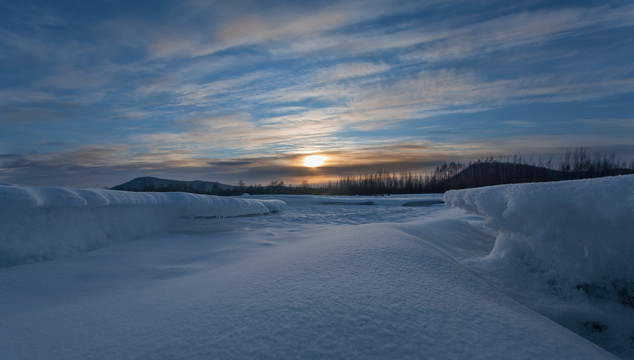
(580, 231)
(41, 223)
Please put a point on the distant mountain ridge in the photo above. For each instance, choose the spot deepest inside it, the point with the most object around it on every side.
(148, 183)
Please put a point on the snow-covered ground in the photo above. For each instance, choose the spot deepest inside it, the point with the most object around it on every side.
(101, 274)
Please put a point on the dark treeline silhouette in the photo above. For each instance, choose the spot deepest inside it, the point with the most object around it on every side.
(381, 182)
(487, 173)
(577, 164)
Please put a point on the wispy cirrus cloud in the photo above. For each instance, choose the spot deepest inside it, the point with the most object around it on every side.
(182, 84)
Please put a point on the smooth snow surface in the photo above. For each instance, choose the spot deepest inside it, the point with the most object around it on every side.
(320, 277)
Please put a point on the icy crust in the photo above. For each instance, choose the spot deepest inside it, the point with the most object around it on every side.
(41, 223)
(580, 231)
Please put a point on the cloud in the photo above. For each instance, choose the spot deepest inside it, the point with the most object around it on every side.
(350, 70)
(520, 123)
(98, 167)
(27, 112)
(295, 23)
(196, 81)
(303, 130)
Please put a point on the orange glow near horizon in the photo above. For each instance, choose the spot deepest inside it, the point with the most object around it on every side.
(314, 161)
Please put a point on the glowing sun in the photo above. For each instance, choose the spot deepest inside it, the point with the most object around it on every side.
(314, 160)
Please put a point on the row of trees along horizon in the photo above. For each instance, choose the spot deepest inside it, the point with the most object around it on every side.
(577, 164)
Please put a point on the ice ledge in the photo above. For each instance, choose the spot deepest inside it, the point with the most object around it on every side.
(581, 230)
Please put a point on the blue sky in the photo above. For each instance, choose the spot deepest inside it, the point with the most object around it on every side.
(94, 93)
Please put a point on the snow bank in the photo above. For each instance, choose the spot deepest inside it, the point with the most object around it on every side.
(580, 231)
(40, 223)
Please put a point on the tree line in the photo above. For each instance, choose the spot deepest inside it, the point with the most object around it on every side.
(575, 164)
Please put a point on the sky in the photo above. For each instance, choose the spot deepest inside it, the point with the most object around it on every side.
(94, 93)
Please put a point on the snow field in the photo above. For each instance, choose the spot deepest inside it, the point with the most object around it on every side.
(336, 277)
(349, 291)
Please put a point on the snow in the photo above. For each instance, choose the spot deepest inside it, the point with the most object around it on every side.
(580, 230)
(565, 249)
(44, 223)
(189, 276)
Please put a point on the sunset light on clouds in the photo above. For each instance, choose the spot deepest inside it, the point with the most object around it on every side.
(314, 161)
(94, 93)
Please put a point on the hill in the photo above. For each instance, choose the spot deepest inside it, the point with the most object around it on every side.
(497, 173)
(148, 183)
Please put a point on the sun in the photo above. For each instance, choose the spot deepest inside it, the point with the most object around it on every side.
(314, 160)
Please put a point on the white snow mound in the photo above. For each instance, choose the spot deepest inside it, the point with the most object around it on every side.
(580, 231)
(42, 223)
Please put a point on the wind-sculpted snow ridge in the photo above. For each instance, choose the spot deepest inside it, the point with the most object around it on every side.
(580, 230)
(565, 249)
(42, 223)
